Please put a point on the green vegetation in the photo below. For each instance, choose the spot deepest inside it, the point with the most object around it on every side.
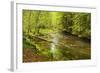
(55, 36)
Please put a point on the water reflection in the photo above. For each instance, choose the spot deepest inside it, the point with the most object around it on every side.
(60, 47)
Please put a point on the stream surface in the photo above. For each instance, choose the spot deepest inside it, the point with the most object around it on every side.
(60, 47)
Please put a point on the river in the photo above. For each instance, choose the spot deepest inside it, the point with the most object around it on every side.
(61, 48)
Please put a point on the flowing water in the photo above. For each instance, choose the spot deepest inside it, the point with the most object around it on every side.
(60, 47)
(54, 43)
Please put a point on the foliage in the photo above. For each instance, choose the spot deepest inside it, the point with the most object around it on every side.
(40, 26)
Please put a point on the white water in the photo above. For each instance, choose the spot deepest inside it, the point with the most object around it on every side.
(53, 44)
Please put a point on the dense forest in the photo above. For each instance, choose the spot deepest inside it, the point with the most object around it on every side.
(55, 35)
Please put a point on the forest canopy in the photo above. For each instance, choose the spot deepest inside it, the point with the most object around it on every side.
(38, 22)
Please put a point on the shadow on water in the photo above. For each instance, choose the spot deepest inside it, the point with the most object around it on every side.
(59, 47)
